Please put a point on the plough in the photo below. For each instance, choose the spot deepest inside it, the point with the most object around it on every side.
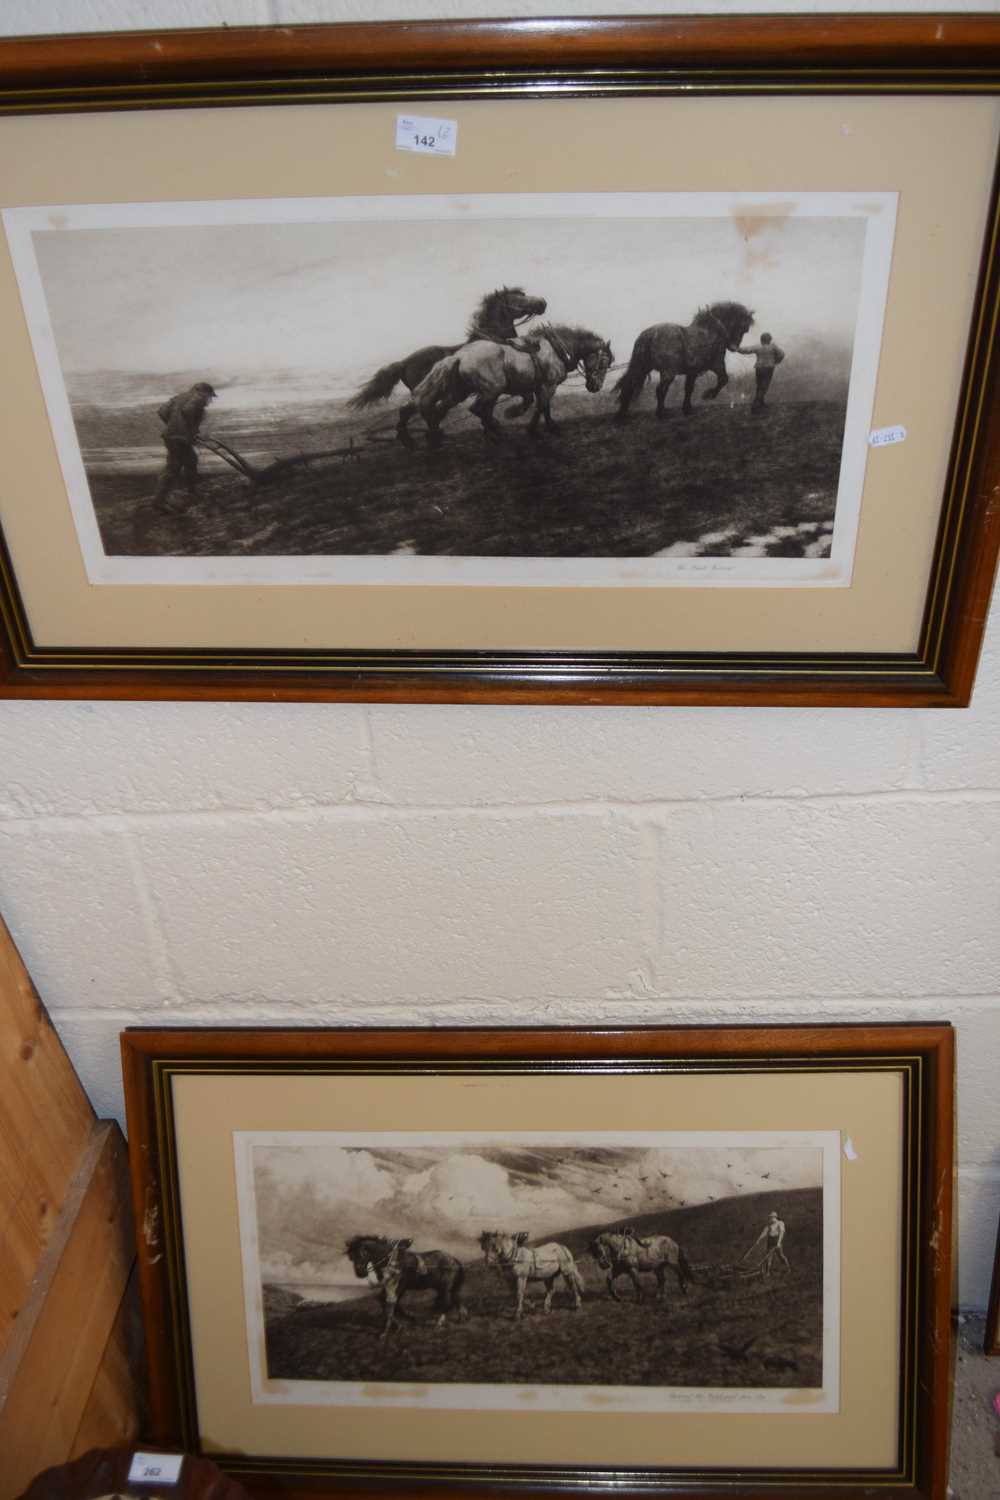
(719, 1273)
(264, 476)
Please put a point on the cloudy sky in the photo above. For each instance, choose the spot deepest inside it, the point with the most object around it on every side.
(342, 298)
(311, 1197)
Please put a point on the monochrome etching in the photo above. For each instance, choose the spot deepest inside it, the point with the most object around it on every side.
(522, 1263)
(533, 388)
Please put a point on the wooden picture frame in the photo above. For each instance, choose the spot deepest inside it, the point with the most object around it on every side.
(113, 585)
(791, 1186)
(991, 1343)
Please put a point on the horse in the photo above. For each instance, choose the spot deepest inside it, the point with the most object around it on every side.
(496, 317)
(623, 1255)
(673, 350)
(393, 1267)
(520, 1265)
(490, 370)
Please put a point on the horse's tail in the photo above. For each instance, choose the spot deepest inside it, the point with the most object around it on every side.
(631, 383)
(441, 385)
(576, 1278)
(685, 1268)
(381, 385)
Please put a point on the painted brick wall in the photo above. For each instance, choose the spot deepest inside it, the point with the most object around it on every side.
(341, 864)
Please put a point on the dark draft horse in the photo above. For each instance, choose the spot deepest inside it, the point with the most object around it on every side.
(673, 350)
(496, 317)
(394, 1268)
(619, 1255)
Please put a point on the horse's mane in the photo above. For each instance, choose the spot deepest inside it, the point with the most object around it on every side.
(365, 1239)
(566, 331)
(721, 312)
(483, 315)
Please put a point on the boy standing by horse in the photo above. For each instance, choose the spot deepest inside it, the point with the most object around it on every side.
(769, 357)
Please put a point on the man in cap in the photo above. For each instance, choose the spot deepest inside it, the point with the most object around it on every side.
(182, 418)
(772, 1237)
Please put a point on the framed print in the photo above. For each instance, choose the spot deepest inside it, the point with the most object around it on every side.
(992, 1342)
(405, 362)
(690, 1262)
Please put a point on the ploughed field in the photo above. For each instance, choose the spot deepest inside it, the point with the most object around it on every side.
(728, 1331)
(592, 489)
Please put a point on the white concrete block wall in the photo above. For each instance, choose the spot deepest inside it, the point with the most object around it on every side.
(298, 864)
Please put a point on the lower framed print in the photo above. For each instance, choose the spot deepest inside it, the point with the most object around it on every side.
(692, 1262)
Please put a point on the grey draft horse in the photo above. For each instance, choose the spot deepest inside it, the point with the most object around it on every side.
(496, 317)
(624, 1255)
(520, 1265)
(490, 370)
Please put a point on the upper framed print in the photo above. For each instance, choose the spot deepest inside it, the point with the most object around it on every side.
(577, 361)
(692, 1262)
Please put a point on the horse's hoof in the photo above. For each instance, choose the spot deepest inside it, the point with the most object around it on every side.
(406, 440)
(620, 418)
(661, 415)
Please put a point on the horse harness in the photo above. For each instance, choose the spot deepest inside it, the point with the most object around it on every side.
(723, 332)
(374, 1267)
(562, 352)
(509, 1258)
(521, 345)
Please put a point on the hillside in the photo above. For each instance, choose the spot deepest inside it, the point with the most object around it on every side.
(727, 1331)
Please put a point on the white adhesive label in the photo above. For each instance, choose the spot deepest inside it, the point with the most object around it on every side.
(421, 133)
(849, 1150)
(881, 437)
(155, 1468)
